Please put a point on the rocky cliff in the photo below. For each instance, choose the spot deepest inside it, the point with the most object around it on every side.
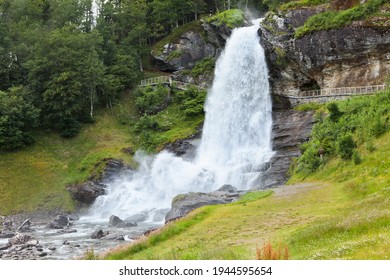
(354, 55)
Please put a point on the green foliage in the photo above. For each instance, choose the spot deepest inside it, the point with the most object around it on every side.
(231, 18)
(334, 112)
(151, 100)
(309, 107)
(192, 101)
(337, 19)
(350, 123)
(17, 117)
(147, 123)
(356, 157)
(204, 67)
(345, 146)
(301, 3)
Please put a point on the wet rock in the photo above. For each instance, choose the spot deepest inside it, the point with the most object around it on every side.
(87, 192)
(68, 230)
(59, 222)
(52, 248)
(227, 188)
(98, 234)
(19, 238)
(66, 242)
(73, 217)
(290, 129)
(182, 204)
(25, 226)
(114, 221)
(7, 235)
(32, 243)
(43, 254)
(5, 246)
(8, 225)
(115, 237)
(137, 218)
(180, 147)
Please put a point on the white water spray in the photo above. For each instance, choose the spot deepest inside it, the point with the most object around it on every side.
(236, 139)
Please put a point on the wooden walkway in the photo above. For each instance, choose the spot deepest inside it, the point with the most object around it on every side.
(342, 91)
(167, 80)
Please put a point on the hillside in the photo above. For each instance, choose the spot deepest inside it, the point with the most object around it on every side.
(64, 113)
(339, 211)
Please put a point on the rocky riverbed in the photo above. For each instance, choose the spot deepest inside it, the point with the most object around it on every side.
(43, 236)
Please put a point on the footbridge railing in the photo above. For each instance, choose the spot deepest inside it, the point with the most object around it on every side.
(167, 80)
(342, 91)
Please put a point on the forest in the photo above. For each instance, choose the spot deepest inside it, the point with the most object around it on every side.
(62, 59)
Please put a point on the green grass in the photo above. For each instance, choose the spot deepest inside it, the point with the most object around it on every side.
(301, 3)
(231, 18)
(337, 19)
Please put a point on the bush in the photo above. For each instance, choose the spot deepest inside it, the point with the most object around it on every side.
(147, 123)
(151, 100)
(192, 101)
(17, 117)
(334, 112)
(69, 127)
(346, 144)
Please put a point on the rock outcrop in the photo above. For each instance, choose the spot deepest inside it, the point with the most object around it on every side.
(88, 191)
(355, 55)
(290, 129)
(182, 204)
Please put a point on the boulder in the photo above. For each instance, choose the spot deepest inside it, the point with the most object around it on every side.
(7, 235)
(59, 222)
(182, 204)
(114, 221)
(98, 234)
(137, 218)
(115, 237)
(87, 192)
(19, 238)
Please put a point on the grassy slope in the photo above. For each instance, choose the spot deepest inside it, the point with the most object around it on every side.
(35, 178)
(317, 220)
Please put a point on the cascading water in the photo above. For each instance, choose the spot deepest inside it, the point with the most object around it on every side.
(235, 142)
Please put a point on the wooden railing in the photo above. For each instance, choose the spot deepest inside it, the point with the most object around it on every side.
(332, 91)
(156, 81)
(168, 81)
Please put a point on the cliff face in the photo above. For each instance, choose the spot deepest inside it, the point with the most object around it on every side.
(356, 55)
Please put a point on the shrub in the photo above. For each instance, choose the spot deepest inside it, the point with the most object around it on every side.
(151, 100)
(192, 101)
(69, 127)
(147, 123)
(334, 112)
(17, 117)
(346, 144)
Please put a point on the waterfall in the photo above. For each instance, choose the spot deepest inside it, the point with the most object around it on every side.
(234, 145)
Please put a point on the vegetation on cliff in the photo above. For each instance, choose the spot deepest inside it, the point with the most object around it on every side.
(338, 18)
